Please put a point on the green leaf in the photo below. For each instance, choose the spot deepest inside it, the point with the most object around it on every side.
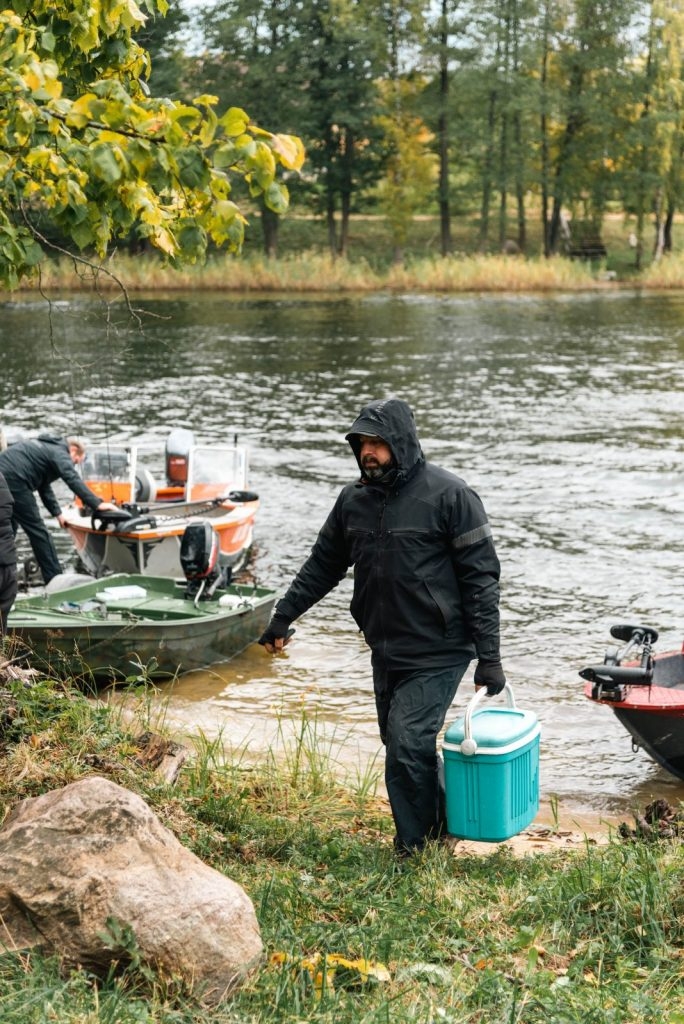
(105, 164)
(263, 164)
(277, 198)
(82, 234)
(47, 41)
(225, 155)
(192, 168)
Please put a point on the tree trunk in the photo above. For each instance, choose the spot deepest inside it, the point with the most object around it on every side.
(667, 227)
(487, 172)
(443, 133)
(518, 139)
(505, 70)
(573, 124)
(644, 148)
(659, 223)
(544, 133)
(270, 224)
(346, 188)
(331, 223)
(330, 191)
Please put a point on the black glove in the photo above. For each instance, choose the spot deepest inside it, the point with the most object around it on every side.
(277, 629)
(491, 675)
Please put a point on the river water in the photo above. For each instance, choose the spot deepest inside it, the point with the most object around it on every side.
(565, 413)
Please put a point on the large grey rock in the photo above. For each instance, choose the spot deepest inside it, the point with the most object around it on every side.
(75, 858)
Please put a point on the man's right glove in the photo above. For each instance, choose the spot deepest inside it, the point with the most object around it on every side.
(277, 629)
(491, 675)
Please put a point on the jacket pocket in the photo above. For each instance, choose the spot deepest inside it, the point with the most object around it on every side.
(444, 605)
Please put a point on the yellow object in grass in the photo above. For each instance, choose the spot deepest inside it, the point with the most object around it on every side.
(325, 971)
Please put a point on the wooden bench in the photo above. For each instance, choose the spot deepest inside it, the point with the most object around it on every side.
(590, 248)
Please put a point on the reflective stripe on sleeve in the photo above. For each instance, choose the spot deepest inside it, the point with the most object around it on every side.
(472, 537)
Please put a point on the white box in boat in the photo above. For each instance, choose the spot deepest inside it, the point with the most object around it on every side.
(127, 592)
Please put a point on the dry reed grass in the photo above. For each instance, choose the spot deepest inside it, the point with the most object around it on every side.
(666, 273)
(316, 272)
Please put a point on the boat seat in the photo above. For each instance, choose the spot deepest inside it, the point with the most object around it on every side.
(145, 485)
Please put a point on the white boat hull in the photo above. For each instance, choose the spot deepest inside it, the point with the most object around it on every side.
(155, 551)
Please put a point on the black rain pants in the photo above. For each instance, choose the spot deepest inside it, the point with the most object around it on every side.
(8, 592)
(411, 709)
(27, 515)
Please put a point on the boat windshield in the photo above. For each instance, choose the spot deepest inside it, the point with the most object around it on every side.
(109, 471)
(213, 472)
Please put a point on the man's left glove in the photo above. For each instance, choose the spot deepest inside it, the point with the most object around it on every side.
(277, 629)
(491, 675)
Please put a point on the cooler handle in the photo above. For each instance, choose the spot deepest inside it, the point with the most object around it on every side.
(468, 744)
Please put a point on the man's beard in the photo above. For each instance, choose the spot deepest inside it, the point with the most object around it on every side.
(374, 470)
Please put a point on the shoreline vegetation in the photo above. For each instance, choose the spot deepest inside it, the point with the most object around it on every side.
(304, 265)
(586, 932)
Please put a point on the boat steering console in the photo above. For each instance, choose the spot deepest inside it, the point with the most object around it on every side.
(609, 680)
(125, 519)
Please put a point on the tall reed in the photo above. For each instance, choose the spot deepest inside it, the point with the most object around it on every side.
(313, 272)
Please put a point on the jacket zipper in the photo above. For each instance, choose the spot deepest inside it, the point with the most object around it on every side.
(380, 558)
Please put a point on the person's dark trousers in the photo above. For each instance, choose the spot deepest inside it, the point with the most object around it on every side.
(27, 515)
(8, 591)
(411, 709)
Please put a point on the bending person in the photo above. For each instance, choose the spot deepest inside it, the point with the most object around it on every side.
(8, 555)
(30, 466)
(426, 598)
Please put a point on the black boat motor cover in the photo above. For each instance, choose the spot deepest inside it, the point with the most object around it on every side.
(199, 551)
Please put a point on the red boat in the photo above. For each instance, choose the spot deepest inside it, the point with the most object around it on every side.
(645, 693)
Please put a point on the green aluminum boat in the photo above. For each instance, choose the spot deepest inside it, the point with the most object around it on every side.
(124, 626)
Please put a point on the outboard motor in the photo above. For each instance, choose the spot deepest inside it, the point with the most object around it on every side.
(178, 445)
(199, 552)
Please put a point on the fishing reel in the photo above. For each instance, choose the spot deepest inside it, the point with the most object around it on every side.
(199, 558)
(611, 679)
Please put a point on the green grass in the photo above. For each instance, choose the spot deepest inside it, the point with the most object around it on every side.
(588, 935)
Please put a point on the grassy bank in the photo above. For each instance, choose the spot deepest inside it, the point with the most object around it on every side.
(315, 272)
(305, 266)
(594, 935)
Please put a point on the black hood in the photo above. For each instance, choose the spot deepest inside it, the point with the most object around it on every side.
(392, 420)
(53, 439)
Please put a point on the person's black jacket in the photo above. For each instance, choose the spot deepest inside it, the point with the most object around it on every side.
(8, 551)
(36, 465)
(426, 574)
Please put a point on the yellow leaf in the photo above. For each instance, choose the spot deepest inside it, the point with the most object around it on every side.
(52, 88)
(79, 112)
(365, 970)
(290, 150)
(32, 80)
(234, 121)
(164, 240)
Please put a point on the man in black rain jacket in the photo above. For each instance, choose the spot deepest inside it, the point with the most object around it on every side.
(30, 466)
(426, 598)
(8, 555)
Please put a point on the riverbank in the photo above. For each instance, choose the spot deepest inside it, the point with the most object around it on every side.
(314, 272)
(584, 930)
(317, 273)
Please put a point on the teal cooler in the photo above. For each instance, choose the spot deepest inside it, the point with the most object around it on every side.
(491, 771)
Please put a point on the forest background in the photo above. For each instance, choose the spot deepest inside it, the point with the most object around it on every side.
(539, 127)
